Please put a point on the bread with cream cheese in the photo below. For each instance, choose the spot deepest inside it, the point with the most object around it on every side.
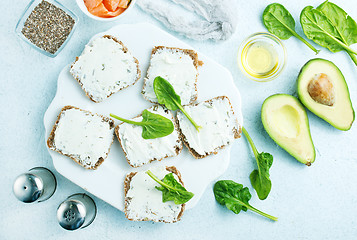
(176, 65)
(139, 151)
(219, 126)
(143, 202)
(83, 136)
(105, 67)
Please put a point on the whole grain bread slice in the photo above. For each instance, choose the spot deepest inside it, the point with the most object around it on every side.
(127, 181)
(236, 132)
(178, 146)
(125, 50)
(189, 52)
(51, 139)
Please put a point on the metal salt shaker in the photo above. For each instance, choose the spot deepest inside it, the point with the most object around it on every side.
(37, 185)
(77, 211)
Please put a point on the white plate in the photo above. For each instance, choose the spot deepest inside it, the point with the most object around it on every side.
(107, 181)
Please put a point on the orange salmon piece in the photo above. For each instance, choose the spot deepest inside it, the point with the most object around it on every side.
(123, 3)
(111, 5)
(116, 12)
(91, 4)
(101, 11)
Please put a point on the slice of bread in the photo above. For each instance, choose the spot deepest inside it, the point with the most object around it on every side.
(219, 126)
(105, 67)
(176, 65)
(143, 202)
(83, 136)
(139, 151)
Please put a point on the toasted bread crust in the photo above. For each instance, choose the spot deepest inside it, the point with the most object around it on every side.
(177, 150)
(125, 49)
(189, 52)
(236, 132)
(50, 140)
(127, 181)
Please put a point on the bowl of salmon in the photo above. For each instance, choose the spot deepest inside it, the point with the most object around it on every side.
(105, 10)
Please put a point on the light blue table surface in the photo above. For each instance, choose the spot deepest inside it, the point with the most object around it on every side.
(317, 202)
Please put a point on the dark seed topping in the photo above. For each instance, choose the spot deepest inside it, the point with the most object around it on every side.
(48, 26)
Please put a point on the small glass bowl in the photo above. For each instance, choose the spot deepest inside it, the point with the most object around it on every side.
(20, 24)
(271, 40)
(84, 9)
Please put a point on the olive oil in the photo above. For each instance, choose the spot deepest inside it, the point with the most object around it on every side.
(259, 59)
(262, 57)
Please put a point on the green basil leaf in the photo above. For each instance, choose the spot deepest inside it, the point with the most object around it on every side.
(178, 194)
(171, 189)
(344, 24)
(279, 21)
(260, 178)
(154, 125)
(346, 27)
(225, 192)
(235, 197)
(320, 29)
(167, 96)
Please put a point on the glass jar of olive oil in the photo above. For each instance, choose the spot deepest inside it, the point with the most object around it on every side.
(261, 57)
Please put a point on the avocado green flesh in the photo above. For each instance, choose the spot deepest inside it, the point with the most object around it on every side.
(341, 114)
(285, 120)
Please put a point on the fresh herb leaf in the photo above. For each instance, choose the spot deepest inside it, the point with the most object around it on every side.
(235, 197)
(345, 25)
(154, 125)
(171, 189)
(260, 177)
(279, 21)
(166, 95)
(330, 26)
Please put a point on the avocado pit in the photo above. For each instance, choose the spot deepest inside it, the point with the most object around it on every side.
(321, 89)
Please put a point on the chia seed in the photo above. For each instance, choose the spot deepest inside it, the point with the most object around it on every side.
(48, 26)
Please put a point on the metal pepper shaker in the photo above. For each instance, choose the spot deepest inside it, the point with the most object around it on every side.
(77, 211)
(37, 185)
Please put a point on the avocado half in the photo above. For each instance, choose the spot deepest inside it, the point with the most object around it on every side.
(285, 120)
(323, 90)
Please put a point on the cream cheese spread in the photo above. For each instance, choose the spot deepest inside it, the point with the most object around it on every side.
(83, 136)
(176, 67)
(217, 120)
(104, 68)
(144, 201)
(140, 151)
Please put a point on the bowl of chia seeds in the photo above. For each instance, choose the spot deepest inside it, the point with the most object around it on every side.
(47, 26)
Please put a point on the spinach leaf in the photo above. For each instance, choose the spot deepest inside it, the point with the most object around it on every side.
(166, 95)
(260, 177)
(346, 27)
(171, 189)
(322, 30)
(279, 21)
(154, 125)
(235, 197)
